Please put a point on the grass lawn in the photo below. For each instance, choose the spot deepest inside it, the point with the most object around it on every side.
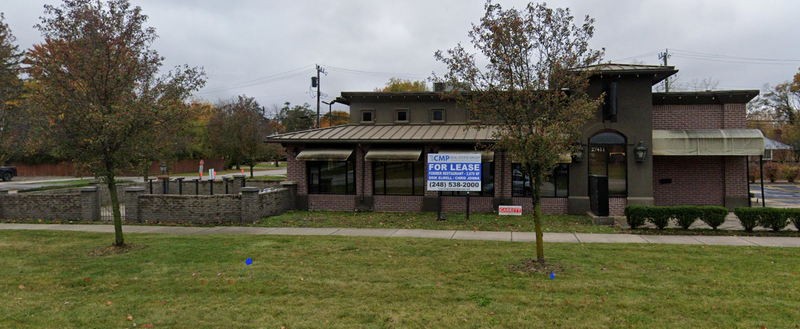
(50, 280)
(411, 220)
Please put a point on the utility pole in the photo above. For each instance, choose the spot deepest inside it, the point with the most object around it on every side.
(315, 82)
(665, 56)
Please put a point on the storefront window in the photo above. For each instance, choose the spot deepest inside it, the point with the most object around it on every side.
(607, 157)
(556, 184)
(331, 177)
(398, 178)
(487, 182)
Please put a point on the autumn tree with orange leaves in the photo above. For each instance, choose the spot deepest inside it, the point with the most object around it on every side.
(99, 85)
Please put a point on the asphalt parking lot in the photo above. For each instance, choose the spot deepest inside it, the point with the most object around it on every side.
(782, 195)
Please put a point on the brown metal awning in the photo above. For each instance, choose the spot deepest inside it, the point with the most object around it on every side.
(393, 155)
(324, 155)
(390, 133)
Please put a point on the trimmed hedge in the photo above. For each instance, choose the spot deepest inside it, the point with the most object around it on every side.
(772, 218)
(685, 216)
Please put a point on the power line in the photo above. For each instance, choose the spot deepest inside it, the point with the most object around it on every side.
(376, 72)
(731, 57)
(261, 80)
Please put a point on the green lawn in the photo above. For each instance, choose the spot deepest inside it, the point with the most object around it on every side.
(50, 280)
(411, 220)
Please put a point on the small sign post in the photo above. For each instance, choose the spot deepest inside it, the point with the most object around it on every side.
(509, 210)
(457, 172)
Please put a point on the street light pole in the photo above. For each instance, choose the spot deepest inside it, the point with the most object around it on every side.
(330, 116)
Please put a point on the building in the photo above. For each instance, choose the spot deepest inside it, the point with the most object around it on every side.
(695, 149)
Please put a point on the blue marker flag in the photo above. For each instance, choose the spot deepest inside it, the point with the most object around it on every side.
(248, 261)
(552, 275)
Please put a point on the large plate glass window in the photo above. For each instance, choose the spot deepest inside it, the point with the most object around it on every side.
(555, 184)
(331, 177)
(398, 178)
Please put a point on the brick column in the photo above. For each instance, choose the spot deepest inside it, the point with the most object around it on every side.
(90, 203)
(132, 203)
(250, 206)
(238, 182)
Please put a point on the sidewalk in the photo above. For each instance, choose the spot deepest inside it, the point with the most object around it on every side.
(434, 234)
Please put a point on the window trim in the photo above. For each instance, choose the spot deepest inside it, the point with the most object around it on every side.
(372, 115)
(350, 163)
(765, 157)
(444, 115)
(413, 179)
(408, 115)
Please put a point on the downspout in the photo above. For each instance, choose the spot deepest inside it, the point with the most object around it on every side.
(363, 170)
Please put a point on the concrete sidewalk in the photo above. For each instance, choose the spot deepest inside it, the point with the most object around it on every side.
(433, 234)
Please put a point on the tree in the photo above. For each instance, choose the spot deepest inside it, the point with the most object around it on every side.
(532, 91)
(400, 85)
(239, 128)
(10, 91)
(783, 100)
(98, 85)
(294, 118)
(335, 118)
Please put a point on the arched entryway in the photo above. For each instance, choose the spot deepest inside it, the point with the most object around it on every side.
(608, 157)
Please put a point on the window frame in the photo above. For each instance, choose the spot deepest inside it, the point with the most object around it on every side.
(514, 193)
(372, 115)
(444, 115)
(350, 180)
(397, 113)
(765, 157)
(413, 178)
(607, 151)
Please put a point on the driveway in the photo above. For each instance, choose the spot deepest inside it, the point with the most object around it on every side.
(781, 195)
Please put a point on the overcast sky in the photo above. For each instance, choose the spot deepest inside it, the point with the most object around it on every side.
(268, 49)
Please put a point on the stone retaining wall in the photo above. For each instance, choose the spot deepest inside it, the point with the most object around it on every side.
(83, 205)
(248, 206)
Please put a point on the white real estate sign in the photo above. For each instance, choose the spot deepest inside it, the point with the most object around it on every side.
(454, 172)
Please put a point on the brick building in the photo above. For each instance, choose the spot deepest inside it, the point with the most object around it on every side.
(695, 151)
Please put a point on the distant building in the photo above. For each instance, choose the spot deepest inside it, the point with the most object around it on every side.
(696, 147)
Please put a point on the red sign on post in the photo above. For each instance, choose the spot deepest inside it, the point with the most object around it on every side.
(509, 210)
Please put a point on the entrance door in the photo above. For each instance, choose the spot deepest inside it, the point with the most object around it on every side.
(608, 158)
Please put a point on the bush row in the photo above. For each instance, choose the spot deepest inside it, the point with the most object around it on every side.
(774, 171)
(772, 218)
(684, 216)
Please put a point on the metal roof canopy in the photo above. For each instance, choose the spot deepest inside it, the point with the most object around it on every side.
(393, 155)
(708, 142)
(389, 133)
(771, 144)
(324, 155)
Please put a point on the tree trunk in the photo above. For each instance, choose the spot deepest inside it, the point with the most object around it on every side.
(112, 191)
(251, 170)
(535, 181)
(276, 163)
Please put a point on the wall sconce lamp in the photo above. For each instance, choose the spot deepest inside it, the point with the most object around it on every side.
(640, 152)
(577, 154)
